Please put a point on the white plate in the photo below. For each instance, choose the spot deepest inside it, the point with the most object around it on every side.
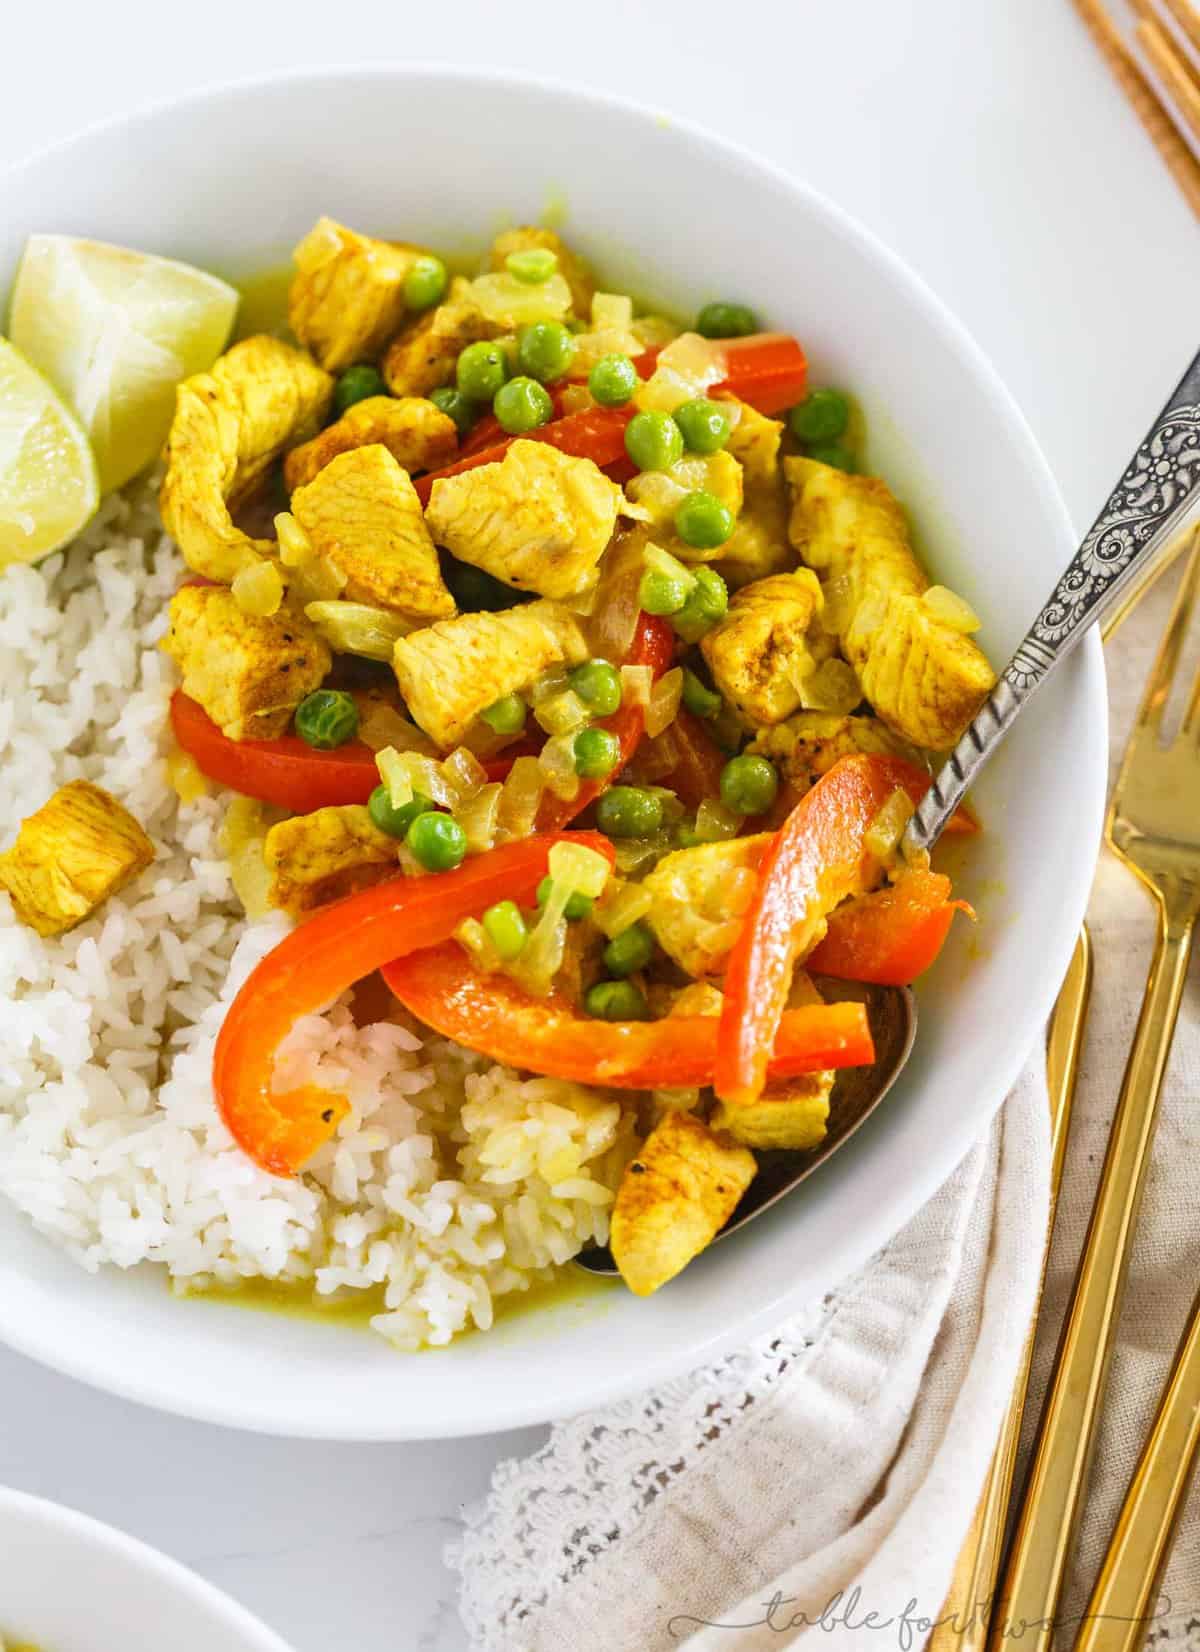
(231, 179)
(70, 1584)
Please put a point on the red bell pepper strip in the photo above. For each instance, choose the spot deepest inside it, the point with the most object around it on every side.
(492, 1014)
(285, 771)
(653, 645)
(891, 936)
(767, 370)
(309, 968)
(816, 859)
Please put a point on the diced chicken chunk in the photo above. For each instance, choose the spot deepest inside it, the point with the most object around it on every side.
(450, 672)
(362, 516)
(674, 1199)
(418, 435)
(72, 854)
(316, 858)
(700, 898)
(347, 296)
(807, 745)
(790, 1113)
(754, 441)
(538, 519)
(924, 679)
(766, 645)
(759, 544)
(570, 265)
(248, 673)
(230, 425)
(423, 356)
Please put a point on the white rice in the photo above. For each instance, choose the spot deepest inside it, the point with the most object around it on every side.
(451, 1183)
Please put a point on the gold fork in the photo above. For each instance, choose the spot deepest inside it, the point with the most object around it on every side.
(1154, 827)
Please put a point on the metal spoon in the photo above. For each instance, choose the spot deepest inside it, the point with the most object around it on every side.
(857, 1091)
(1158, 486)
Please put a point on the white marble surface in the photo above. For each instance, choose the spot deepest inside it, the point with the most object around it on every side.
(984, 141)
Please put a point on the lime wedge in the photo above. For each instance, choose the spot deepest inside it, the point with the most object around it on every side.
(114, 331)
(48, 486)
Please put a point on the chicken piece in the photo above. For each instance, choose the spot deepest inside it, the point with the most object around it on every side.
(759, 544)
(362, 516)
(570, 266)
(418, 435)
(318, 857)
(450, 672)
(537, 519)
(700, 898)
(768, 642)
(674, 1199)
(924, 679)
(807, 745)
(697, 998)
(423, 356)
(347, 296)
(248, 673)
(793, 1112)
(754, 441)
(230, 425)
(78, 849)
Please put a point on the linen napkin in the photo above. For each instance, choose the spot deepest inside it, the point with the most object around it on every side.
(815, 1487)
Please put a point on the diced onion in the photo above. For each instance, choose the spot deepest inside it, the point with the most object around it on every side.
(637, 685)
(684, 370)
(640, 854)
(380, 725)
(576, 398)
(715, 823)
(664, 702)
(654, 496)
(520, 796)
(479, 817)
(243, 833)
(950, 610)
(583, 870)
(512, 303)
(611, 628)
(658, 561)
(258, 589)
(562, 713)
(472, 937)
(557, 763)
(835, 612)
(651, 330)
(548, 684)
(313, 579)
(620, 905)
(833, 686)
(294, 543)
(887, 828)
(185, 776)
(612, 310)
(395, 776)
(463, 770)
(541, 957)
(357, 628)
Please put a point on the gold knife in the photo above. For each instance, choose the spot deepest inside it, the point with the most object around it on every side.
(964, 1619)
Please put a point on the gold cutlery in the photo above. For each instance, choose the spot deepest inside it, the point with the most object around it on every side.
(963, 1621)
(1154, 827)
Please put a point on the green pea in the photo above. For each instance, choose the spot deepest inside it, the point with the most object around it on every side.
(629, 951)
(522, 404)
(628, 811)
(704, 425)
(598, 685)
(437, 841)
(821, 417)
(832, 453)
(532, 265)
(616, 1001)
(697, 698)
(480, 371)
(506, 929)
(426, 282)
(356, 384)
(723, 320)
(702, 521)
(327, 719)
(707, 602)
(659, 593)
(476, 591)
(395, 822)
(748, 785)
(578, 906)
(652, 441)
(506, 715)
(454, 403)
(545, 349)
(597, 753)
(613, 380)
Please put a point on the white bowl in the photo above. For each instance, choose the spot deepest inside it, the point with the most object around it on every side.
(70, 1584)
(231, 179)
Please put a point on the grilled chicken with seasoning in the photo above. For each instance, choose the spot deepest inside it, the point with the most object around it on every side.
(316, 858)
(423, 356)
(700, 895)
(231, 424)
(792, 1113)
(923, 678)
(79, 848)
(538, 520)
(418, 435)
(808, 744)
(347, 298)
(249, 673)
(759, 543)
(362, 516)
(768, 642)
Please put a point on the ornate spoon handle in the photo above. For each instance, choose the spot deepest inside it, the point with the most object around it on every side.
(1162, 479)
